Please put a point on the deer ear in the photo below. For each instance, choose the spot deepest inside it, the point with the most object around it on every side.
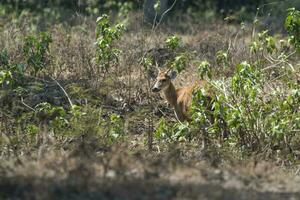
(172, 75)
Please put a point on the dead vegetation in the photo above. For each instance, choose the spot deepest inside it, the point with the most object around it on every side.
(95, 140)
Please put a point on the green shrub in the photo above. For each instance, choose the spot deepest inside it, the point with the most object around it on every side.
(106, 53)
(252, 115)
(36, 51)
(172, 42)
(168, 133)
(292, 24)
(10, 74)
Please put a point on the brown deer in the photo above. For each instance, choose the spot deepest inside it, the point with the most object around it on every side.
(181, 98)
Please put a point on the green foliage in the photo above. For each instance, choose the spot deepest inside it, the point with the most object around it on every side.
(168, 133)
(116, 127)
(180, 59)
(172, 42)
(157, 6)
(204, 69)
(106, 35)
(180, 62)
(222, 58)
(292, 24)
(283, 120)
(242, 117)
(147, 62)
(263, 43)
(241, 109)
(124, 10)
(4, 59)
(107, 130)
(245, 80)
(199, 108)
(162, 131)
(36, 51)
(65, 123)
(10, 74)
(5, 77)
(32, 129)
(45, 111)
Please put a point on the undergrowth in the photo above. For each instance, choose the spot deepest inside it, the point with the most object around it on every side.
(72, 83)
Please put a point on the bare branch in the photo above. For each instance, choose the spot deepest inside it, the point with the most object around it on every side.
(163, 15)
(26, 105)
(64, 91)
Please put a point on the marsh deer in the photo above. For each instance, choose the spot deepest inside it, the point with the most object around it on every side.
(181, 98)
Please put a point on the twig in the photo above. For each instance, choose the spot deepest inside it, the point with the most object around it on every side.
(297, 171)
(280, 62)
(154, 21)
(176, 116)
(235, 39)
(164, 13)
(64, 91)
(26, 105)
(278, 77)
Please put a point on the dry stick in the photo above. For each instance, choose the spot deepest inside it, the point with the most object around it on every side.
(26, 105)
(154, 21)
(297, 171)
(64, 91)
(162, 16)
(150, 134)
(280, 62)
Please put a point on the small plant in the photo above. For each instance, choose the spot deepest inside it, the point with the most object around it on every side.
(222, 58)
(106, 54)
(204, 69)
(176, 132)
(32, 130)
(162, 130)
(45, 111)
(10, 74)
(36, 51)
(5, 78)
(180, 62)
(292, 24)
(172, 42)
(4, 58)
(147, 62)
(116, 127)
(263, 42)
(157, 6)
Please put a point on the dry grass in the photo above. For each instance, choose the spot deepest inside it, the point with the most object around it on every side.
(80, 164)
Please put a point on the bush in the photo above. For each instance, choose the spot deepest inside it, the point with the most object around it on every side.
(106, 53)
(292, 24)
(36, 51)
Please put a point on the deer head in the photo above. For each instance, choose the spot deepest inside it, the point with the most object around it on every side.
(163, 79)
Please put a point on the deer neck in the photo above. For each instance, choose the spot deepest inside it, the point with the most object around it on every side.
(171, 95)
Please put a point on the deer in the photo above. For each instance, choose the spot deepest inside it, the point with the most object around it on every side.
(180, 99)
